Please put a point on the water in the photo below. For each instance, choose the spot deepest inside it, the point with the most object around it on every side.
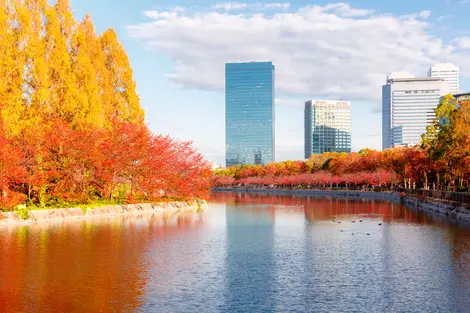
(244, 254)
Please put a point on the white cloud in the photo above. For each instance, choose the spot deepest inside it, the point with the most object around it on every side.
(464, 1)
(420, 15)
(462, 42)
(152, 14)
(344, 9)
(424, 14)
(332, 51)
(179, 9)
(443, 17)
(232, 6)
(228, 6)
(285, 5)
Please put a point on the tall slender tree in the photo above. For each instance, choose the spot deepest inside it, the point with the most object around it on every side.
(121, 96)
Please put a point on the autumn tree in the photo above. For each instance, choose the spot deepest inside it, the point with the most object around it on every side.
(72, 128)
(448, 139)
(11, 172)
(121, 98)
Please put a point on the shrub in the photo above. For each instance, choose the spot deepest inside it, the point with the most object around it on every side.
(22, 211)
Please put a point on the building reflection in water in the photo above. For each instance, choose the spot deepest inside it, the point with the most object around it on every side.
(249, 257)
(341, 264)
(249, 253)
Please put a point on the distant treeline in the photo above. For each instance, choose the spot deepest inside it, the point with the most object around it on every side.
(442, 161)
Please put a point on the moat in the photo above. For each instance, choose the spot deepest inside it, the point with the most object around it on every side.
(245, 253)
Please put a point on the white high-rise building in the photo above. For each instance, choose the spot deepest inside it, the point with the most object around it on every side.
(327, 126)
(449, 72)
(408, 106)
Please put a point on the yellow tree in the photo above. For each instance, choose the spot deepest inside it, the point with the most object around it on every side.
(86, 57)
(54, 68)
(63, 100)
(121, 96)
(448, 139)
(11, 64)
(36, 85)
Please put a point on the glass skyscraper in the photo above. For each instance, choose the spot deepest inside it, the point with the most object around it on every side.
(327, 126)
(249, 113)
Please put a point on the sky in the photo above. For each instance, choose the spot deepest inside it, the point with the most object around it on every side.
(321, 50)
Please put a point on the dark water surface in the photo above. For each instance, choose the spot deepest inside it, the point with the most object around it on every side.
(244, 254)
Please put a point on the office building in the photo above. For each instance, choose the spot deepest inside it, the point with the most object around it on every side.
(249, 113)
(457, 101)
(449, 72)
(408, 106)
(462, 97)
(327, 126)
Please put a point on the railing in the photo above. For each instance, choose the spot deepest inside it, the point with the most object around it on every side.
(461, 197)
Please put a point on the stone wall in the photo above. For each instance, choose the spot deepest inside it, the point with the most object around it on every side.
(455, 210)
(350, 194)
(162, 209)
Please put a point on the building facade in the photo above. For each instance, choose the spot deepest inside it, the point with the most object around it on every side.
(458, 98)
(408, 106)
(449, 72)
(249, 113)
(462, 97)
(327, 125)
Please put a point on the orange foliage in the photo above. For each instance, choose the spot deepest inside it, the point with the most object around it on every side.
(54, 163)
(410, 167)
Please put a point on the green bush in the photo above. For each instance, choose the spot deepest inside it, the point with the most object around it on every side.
(22, 211)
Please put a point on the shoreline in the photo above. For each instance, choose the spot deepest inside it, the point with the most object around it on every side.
(162, 209)
(455, 210)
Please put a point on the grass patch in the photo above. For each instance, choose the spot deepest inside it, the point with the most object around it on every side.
(67, 205)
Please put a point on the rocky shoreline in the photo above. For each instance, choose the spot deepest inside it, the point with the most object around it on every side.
(161, 209)
(455, 210)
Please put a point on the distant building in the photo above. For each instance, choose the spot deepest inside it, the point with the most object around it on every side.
(408, 106)
(214, 165)
(449, 72)
(249, 113)
(458, 98)
(327, 126)
(462, 97)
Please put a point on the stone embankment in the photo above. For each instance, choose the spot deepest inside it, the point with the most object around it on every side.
(162, 209)
(455, 210)
(350, 194)
(452, 209)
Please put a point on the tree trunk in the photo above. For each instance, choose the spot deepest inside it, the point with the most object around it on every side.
(4, 192)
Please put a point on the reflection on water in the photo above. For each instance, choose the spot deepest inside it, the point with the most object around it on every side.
(85, 266)
(246, 253)
(250, 262)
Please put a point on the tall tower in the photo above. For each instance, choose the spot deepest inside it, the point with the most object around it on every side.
(249, 113)
(408, 106)
(449, 72)
(327, 126)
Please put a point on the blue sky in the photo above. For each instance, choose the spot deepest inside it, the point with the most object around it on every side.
(321, 49)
